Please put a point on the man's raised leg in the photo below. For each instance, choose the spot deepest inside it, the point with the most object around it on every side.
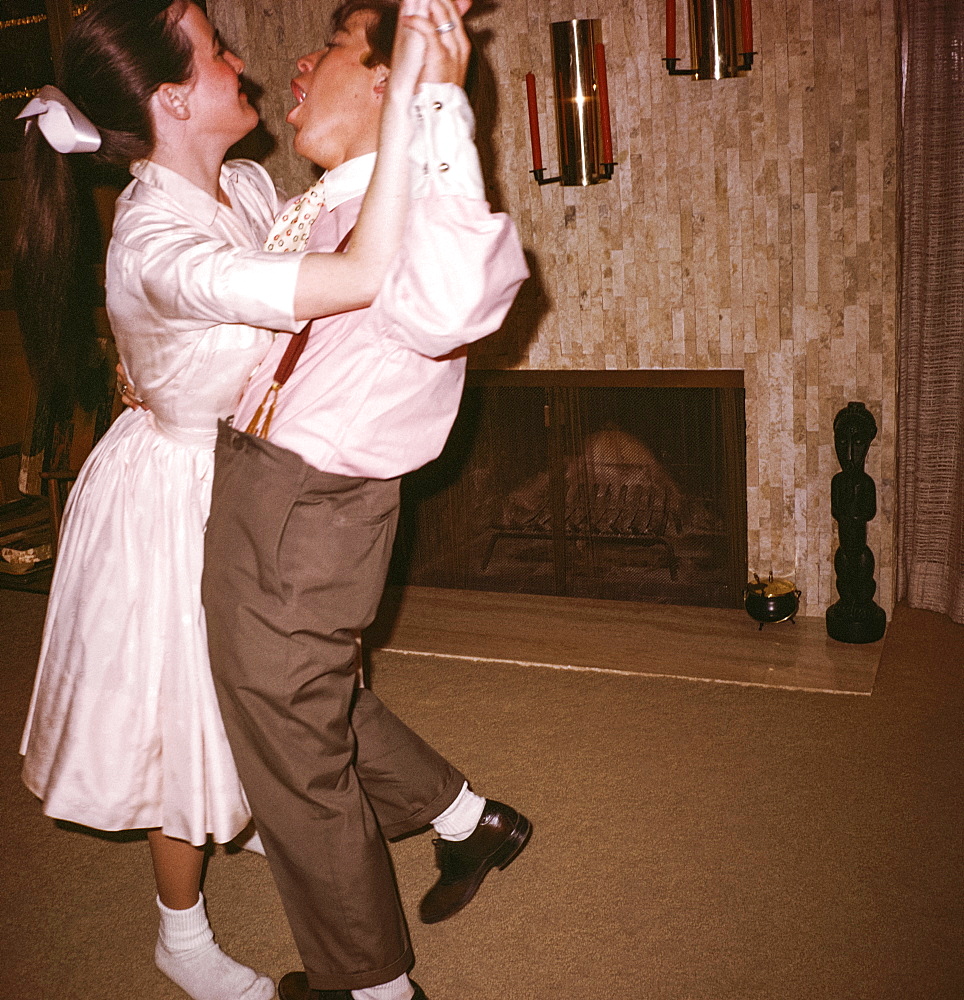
(288, 551)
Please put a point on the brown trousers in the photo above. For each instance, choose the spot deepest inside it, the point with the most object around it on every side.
(295, 561)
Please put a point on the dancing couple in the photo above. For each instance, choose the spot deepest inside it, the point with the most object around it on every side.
(225, 541)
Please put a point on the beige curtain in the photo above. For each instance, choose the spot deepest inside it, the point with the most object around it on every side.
(931, 344)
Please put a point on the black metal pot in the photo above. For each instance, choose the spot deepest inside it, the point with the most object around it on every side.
(771, 601)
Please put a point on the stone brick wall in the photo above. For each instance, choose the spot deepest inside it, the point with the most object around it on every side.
(751, 224)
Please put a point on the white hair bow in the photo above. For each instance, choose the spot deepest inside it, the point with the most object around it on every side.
(61, 122)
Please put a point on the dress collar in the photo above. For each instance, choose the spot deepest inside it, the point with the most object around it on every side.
(346, 181)
(195, 202)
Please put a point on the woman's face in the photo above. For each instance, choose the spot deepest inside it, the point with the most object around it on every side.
(217, 103)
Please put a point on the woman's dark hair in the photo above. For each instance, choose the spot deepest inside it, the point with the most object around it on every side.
(116, 55)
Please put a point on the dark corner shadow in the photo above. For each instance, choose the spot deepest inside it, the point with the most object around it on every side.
(411, 833)
(259, 143)
(114, 836)
(484, 97)
(508, 347)
(131, 837)
(377, 634)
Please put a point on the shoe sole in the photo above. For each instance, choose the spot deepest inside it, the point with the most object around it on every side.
(501, 859)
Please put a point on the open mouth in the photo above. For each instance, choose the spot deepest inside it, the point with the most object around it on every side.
(299, 92)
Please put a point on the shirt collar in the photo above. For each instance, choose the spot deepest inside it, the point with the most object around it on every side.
(195, 202)
(348, 180)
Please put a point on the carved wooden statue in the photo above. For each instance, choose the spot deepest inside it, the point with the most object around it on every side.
(856, 617)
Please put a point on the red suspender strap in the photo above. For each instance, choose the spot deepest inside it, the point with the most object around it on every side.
(293, 352)
(297, 343)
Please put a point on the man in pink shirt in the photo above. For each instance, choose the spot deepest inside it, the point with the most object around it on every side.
(302, 524)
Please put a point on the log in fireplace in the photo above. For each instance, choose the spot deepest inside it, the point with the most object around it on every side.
(624, 485)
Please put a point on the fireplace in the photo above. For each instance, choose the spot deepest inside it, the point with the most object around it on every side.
(625, 485)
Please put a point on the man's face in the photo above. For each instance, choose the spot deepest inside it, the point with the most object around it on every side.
(339, 99)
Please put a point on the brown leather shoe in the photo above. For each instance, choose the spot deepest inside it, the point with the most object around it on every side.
(294, 986)
(463, 864)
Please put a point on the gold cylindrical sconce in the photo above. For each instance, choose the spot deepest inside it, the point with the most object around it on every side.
(582, 106)
(577, 104)
(721, 44)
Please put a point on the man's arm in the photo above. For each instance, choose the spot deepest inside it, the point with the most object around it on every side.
(461, 265)
(333, 283)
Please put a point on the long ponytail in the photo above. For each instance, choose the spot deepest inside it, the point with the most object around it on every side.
(116, 55)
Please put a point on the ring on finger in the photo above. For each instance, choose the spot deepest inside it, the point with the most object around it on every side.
(446, 26)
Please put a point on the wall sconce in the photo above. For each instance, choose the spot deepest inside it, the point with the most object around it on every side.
(582, 106)
(715, 52)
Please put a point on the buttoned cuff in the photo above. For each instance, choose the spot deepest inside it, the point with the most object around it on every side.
(443, 154)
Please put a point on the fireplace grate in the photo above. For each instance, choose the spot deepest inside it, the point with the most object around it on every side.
(619, 492)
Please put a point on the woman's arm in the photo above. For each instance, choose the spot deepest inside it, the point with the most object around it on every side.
(333, 283)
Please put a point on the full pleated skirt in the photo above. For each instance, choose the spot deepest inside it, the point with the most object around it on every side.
(124, 730)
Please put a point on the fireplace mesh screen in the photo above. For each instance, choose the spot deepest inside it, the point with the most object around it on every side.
(621, 492)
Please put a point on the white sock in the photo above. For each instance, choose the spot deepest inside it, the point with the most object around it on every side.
(462, 817)
(187, 954)
(397, 989)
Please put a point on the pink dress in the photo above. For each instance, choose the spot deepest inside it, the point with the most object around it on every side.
(124, 730)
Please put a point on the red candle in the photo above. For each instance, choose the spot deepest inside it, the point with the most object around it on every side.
(607, 135)
(747, 18)
(670, 29)
(534, 122)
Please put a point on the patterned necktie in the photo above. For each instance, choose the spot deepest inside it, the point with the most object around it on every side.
(292, 228)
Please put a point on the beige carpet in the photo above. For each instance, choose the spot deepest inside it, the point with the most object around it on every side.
(692, 841)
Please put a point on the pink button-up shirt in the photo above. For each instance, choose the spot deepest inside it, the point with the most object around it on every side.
(376, 390)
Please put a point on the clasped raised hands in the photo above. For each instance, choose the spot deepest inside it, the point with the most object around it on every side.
(431, 45)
